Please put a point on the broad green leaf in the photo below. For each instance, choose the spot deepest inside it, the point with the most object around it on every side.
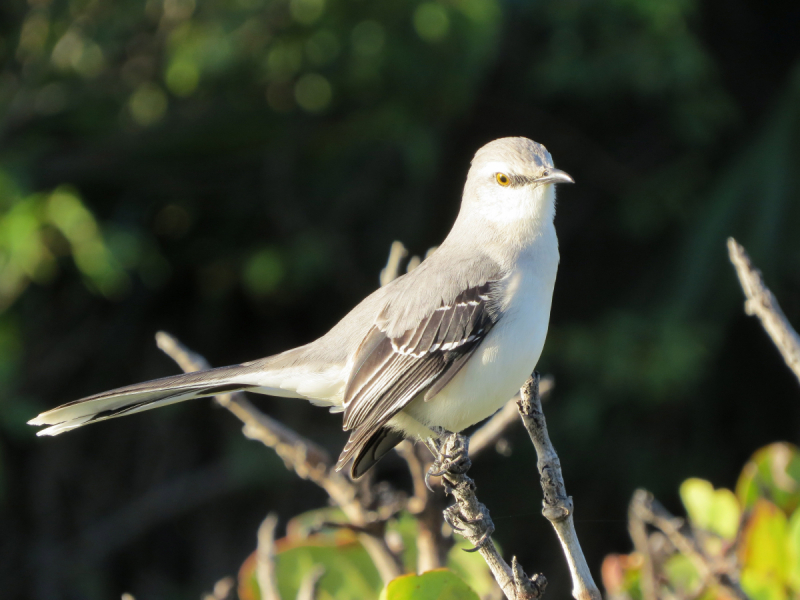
(305, 525)
(441, 584)
(713, 510)
(471, 567)
(349, 571)
(772, 472)
(759, 587)
(793, 550)
(763, 550)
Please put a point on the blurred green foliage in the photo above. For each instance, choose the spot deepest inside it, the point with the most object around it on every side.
(348, 572)
(234, 171)
(754, 534)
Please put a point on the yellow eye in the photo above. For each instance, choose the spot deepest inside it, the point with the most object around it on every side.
(503, 179)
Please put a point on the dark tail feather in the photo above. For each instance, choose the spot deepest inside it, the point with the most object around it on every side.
(144, 396)
(367, 450)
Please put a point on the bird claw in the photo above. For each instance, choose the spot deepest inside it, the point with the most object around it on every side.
(451, 456)
(428, 476)
(471, 527)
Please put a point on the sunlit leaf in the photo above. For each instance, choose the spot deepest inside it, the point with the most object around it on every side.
(716, 511)
(793, 551)
(760, 587)
(349, 571)
(471, 567)
(440, 584)
(764, 550)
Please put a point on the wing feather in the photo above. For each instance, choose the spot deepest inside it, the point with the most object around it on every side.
(390, 372)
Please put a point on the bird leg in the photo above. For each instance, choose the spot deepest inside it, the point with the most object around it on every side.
(467, 516)
(478, 528)
(451, 456)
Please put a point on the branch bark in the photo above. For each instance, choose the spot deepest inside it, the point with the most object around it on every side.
(637, 528)
(470, 518)
(557, 506)
(762, 303)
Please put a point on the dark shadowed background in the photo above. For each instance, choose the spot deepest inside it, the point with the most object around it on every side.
(234, 171)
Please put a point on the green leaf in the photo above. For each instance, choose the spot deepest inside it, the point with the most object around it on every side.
(793, 551)
(471, 567)
(713, 510)
(759, 587)
(763, 552)
(349, 571)
(441, 584)
(772, 472)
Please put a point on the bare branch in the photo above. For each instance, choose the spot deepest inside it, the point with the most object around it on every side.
(391, 271)
(299, 454)
(762, 303)
(265, 559)
(470, 518)
(557, 506)
(489, 434)
(637, 528)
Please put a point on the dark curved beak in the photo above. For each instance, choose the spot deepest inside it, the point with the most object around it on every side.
(555, 176)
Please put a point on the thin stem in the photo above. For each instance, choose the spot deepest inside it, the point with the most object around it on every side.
(265, 559)
(762, 303)
(557, 506)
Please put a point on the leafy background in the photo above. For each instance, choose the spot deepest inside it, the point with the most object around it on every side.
(233, 171)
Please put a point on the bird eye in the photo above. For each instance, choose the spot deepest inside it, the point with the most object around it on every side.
(503, 179)
(546, 173)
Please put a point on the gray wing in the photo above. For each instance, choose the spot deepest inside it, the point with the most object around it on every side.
(389, 372)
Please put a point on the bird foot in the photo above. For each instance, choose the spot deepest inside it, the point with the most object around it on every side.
(478, 527)
(451, 456)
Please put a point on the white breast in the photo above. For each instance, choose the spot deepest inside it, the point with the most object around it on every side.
(509, 353)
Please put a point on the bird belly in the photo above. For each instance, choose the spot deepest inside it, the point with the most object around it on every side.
(502, 362)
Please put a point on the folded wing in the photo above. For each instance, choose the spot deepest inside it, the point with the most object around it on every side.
(389, 372)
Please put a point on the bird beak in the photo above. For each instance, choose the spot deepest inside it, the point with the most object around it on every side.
(555, 176)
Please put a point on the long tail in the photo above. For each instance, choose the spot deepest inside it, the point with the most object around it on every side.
(144, 396)
(290, 374)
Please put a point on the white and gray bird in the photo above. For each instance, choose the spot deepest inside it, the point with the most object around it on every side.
(443, 346)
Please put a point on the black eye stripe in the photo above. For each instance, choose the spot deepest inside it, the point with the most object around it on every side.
(518, 180)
